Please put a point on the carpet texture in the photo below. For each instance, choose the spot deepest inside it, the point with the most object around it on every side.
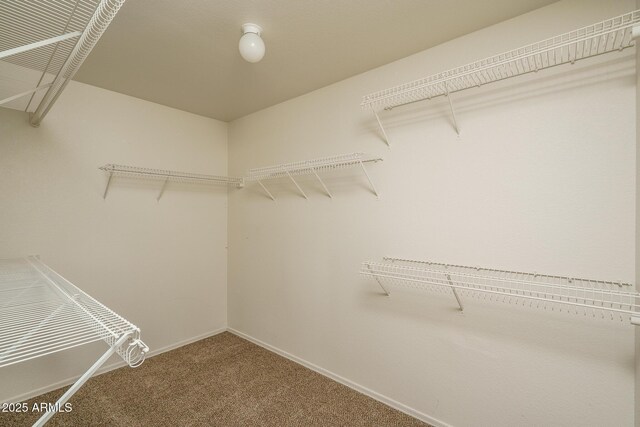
(219, 381)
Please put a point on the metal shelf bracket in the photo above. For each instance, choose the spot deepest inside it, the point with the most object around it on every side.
(321, 182)
(384, 133)
(386, 292)
(311, 167)
(373, 187)
(453, 112)
(106, 187)
(267, 191)
(296, 184)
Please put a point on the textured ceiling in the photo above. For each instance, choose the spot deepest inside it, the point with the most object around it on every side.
(184, 54)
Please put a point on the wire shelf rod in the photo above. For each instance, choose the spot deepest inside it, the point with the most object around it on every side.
(39, 344)
(20, 285)
(311, 167)
(505, 293)
(495, 270)
(50, 348)
(552, 291)
(46, 330)
(68, 321)
(611, 35)
(306, 167)
(22, 320)
(30, 305)
(166, 176)
(591, 296)
(485, 78)
(95, 315)
(64, 346)
(52, 13)
(34, 336)
(511, 293)
(31, 21)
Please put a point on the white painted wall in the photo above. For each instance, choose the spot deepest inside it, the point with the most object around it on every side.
(161, 265)
(541, 179)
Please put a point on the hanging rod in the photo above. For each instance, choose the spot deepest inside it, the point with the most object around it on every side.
(311, 167)
(102, 17)
(166, 176)
(611, 35)
(579, 296)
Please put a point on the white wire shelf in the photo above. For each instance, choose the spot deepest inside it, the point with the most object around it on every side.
(605, 299)
(52, 38)
(166, 176)
(42, 313)
(611, 35)
(311, 167)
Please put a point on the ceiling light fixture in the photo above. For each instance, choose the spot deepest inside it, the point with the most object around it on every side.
(251, 44)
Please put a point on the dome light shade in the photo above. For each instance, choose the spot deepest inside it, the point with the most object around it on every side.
(251, 45)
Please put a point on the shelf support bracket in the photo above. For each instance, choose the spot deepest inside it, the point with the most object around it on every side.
(25, 93)
(453, 112)
(635, 320)
(164, 185)
(36, 45)
(373, 187)
(384, 133)
(266, 191)
(296, 184)
(106, 188)
(83, 379)
(386, 292)
(455, 293)
(321, 182)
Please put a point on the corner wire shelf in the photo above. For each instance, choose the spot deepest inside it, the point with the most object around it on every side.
(606, 299)
(51, 38)
(312, 167)
(166, 176)
(42, 313)
(611, 35)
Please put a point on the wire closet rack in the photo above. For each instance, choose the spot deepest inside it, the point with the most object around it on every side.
(48, 41)
(611, 35)
(165, 176)
(42, 313)
(312, 167)
(598, 298)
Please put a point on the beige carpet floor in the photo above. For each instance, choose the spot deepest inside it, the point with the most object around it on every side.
(220, 381)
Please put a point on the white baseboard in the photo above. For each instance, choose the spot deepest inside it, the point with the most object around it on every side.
(364, 390)
(111, 367)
